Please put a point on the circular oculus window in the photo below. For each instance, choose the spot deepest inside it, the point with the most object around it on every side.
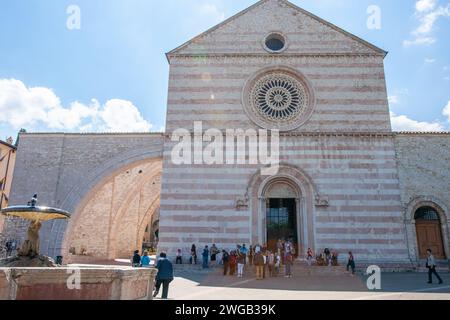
(275, 43)
(278, 99)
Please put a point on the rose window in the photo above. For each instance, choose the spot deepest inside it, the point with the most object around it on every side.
(278, 99)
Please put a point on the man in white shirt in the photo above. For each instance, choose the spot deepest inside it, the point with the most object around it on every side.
(431, 265)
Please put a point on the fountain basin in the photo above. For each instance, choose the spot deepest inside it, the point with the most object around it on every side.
(77, 283)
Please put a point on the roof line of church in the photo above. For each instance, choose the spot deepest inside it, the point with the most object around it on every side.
(306, 54)
(311, 15)
(335, 27)
(217, 26)
(92, 133)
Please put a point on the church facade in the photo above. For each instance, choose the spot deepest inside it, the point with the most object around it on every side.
(344, 180)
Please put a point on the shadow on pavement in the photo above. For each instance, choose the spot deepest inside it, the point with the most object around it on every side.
(390, 282)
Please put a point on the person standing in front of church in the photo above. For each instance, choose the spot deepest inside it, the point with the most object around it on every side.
(351, 262)
(193, 259)
(179, 259)
(280, 247)
(309, 256)
(259, 264)
(225, 261)
(232, 262)
(250, 255)
(431, 265)
(289, 260)
(164, 276)
(205, 256)
(244, 252)
(214, 252)
(240, 264)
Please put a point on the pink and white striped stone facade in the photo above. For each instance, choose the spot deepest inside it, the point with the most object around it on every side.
(341, 162)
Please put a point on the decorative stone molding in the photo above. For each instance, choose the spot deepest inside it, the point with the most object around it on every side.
(242, 202)
(168, 136)
(305, 190)
(274, 59)
(264, 55)
(428, 201)
(322, 201)
(413, 133)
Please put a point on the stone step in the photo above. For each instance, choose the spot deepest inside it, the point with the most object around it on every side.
(301, 267)
(297, 269)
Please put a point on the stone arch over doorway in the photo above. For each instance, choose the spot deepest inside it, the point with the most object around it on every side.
(411, 228)
(289, 182)
(111, 219)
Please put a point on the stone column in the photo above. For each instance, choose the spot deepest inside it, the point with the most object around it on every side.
(302, 225)
(262, 227)
(411, 239)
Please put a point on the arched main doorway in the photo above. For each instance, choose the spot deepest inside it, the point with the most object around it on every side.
(429, 232)
(281, 214)
(282, 206)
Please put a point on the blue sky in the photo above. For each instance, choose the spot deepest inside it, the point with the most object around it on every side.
(112, 74)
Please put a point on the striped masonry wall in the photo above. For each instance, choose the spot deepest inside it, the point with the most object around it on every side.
(346, 148)
(357, 174)
(350, 92)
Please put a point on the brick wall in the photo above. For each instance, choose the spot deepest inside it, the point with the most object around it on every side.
(63, 168)
(424, 171)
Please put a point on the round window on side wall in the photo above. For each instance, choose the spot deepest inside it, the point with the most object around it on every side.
(275, 42)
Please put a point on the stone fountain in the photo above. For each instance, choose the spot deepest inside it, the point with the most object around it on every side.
(32, 276)
(28, 255)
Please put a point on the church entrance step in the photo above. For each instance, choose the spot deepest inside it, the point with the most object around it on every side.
(297, 269)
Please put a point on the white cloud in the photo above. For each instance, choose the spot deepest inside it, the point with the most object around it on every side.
(425, 5)
(419, 41)
(393, 99)
(40, 107)
(446, 111)
(428, 60)
(403, 123)
(428, 20)
(398, 96)
(121, 115)
(427, 14)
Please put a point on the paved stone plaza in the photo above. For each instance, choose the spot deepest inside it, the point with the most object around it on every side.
(395, 286)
